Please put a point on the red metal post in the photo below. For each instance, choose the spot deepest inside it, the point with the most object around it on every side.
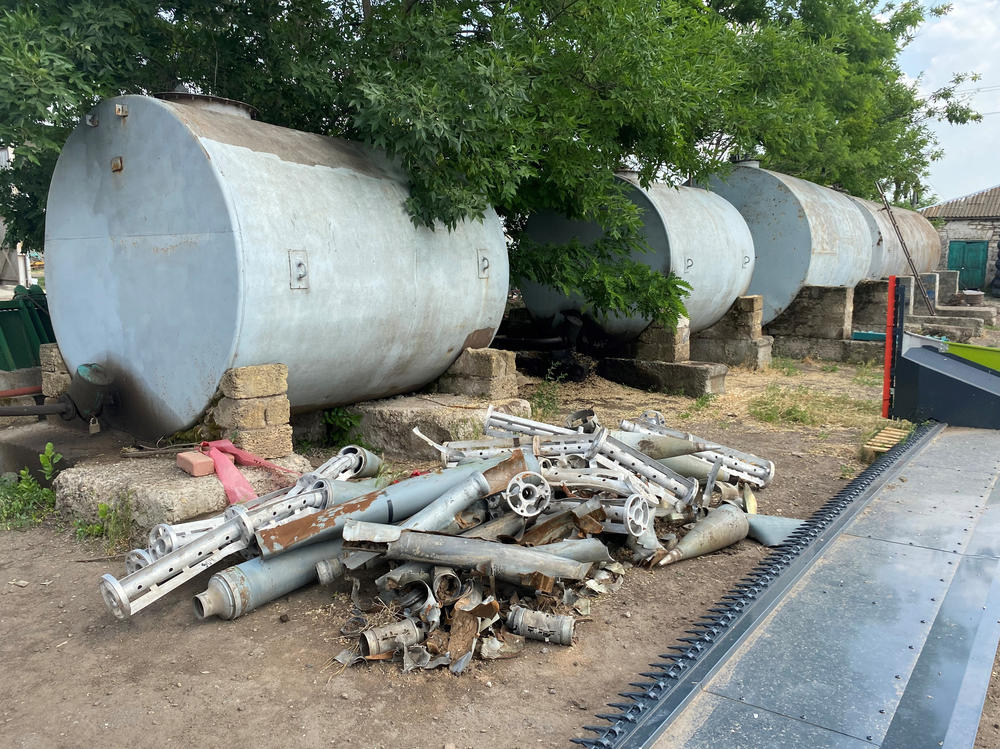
(890, 320)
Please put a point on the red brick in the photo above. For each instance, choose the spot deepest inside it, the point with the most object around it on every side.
(197, 463)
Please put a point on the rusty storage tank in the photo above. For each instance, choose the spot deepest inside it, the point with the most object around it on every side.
(888, 259)
(803, 234)
(184, 238)
(690, 231)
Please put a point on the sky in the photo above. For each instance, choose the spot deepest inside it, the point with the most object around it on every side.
(965, 40)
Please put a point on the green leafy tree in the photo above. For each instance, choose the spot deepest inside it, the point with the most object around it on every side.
(528, 106)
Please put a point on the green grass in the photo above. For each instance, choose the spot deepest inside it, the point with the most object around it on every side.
(869, 373)
(114, 525)
(800, 405)
(830, 367)
(698, 405)
(546, 401)
(788, 367)
(23, 501)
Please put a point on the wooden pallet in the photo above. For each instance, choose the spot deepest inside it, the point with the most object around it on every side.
(882, 442)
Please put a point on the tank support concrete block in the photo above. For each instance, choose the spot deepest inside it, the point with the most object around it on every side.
(753, 354)
(51, 358)
(947, 285)
(908, 290)
(657, 343)
(689, 378)
(268, 442)
(817, 312)
(251, 413)
(871, 305)
(485, 373)
(387, 425)
(255, 382)
(930, 281)
(55, 384)
(742, 321)
(851, 352)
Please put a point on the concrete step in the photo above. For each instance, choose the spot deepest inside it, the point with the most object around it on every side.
(987, 314)
(973, 323)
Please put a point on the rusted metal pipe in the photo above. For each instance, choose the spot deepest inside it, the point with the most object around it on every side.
(436, 515)
(393, 503)
(580, 549)
(760, 470)
(508, 562)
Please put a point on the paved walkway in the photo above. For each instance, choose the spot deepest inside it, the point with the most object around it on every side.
(887, 638)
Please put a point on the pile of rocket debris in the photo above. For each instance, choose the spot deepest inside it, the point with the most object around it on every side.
(509, 540)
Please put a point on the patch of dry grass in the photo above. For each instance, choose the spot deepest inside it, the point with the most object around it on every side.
(810, 407)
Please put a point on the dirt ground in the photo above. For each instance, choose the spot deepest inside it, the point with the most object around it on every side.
(77, 677)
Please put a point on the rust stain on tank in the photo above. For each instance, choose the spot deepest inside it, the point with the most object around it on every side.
(478, 338)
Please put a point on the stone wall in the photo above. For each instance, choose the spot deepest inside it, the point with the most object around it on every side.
(971, 230)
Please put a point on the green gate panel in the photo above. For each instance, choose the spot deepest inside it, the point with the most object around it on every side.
(969, 259)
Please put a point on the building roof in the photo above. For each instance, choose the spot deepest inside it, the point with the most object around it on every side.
(982, 204)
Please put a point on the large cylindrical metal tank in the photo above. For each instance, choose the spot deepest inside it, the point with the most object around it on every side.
(922, 241)
(690, 231)
(803, 234)
(184, 238)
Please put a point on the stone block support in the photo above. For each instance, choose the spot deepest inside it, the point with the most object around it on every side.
(254, 410)
(737, 340)
(689, 378)
(657, 343)
(871, 305)
(490, 374)
(817, 312)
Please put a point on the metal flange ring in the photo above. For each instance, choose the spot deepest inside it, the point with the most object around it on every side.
(115, 597)
(528, 494)
(136, 559)
(638, 514)
(163, 539)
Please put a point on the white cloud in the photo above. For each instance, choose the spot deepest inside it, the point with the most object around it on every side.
(965, 40)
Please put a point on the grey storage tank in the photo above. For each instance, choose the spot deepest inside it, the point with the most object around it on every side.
(803, 234)
(888, 259)
(184, 238)
(690, 231)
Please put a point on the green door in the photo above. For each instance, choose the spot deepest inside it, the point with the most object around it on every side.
(969, 259)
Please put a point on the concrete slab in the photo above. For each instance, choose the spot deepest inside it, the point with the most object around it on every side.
(689, 378)
(972, 323)
(156, 490)
(987, 314)
(852, 352)
(387, 425)
(752, 353)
